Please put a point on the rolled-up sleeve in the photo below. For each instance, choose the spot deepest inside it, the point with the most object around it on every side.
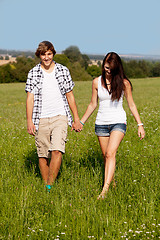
(29, 83)
(68, 82)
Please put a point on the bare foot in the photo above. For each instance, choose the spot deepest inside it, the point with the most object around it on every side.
(114, 183)
(104, 192)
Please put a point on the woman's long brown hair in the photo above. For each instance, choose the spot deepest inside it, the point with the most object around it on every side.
(118, 75)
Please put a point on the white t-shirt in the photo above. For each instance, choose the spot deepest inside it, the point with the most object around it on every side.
(109, 112)
(52, 102)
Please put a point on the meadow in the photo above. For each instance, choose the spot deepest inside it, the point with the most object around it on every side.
(71, 210)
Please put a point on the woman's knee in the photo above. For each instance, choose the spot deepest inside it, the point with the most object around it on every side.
(110, 155)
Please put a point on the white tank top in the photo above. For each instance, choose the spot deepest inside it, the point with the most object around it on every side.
(52, 102)
(109, 112)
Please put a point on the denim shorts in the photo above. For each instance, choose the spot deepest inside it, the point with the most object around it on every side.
(105, 130)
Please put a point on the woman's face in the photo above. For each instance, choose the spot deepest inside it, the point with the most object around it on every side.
(107, 69)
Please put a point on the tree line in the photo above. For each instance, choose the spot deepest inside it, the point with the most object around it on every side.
(79, 66)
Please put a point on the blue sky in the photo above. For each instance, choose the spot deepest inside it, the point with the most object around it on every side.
(95, 26)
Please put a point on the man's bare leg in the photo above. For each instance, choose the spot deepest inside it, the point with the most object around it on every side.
(54, 166)
(44, 168)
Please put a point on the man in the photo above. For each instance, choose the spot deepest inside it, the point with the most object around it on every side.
(49, 96)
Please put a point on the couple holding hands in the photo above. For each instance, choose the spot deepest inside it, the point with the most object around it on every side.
(49, 100)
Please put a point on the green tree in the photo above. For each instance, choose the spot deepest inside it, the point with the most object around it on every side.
(94, 71)
(6, 74)
(99, 63)
(73, 53)
(62, 59)
(85, 61)
(6, 57)
(22, 67)
(78, 73)
(156, 70)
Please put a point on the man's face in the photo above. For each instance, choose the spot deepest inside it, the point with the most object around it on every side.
(46, 59)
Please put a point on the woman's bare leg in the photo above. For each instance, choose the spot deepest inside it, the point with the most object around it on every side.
(109, 147)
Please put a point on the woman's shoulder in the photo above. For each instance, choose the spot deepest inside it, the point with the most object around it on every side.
(95, 79)
(95, 82)
(127, 83)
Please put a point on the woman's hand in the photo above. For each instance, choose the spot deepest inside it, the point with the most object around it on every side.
(141, 132)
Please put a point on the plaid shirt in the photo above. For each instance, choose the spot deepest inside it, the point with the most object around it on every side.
(35, 82)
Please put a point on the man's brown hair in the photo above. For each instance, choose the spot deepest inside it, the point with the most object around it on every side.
(44, 47)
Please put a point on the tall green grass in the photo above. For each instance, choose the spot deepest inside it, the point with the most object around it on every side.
(71, 210)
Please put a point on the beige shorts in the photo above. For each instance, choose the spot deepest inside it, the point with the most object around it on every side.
(51, 135)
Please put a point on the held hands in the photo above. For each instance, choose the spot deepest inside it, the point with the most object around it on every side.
(31, 129)
(77, 126)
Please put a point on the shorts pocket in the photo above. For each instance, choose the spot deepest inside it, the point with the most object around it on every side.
(64, 137)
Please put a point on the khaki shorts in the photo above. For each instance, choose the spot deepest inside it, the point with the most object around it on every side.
(51, 135)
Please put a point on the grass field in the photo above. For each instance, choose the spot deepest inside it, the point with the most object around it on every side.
(71, 210)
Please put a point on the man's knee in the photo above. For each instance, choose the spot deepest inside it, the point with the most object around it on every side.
(43, 160)
(56, 153)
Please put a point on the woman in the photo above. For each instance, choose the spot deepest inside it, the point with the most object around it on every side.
(110, 125)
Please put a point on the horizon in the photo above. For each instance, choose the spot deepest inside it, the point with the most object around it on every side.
(60, 52)
(122, 55)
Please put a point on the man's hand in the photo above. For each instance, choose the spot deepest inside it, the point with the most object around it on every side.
(77, 126)
(31, 129)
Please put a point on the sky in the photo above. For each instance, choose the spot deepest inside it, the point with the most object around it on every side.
(94, 26)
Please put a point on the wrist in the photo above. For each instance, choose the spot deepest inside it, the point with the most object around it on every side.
(29, 120)
(140, 124)
(82, 123)
(76, 119)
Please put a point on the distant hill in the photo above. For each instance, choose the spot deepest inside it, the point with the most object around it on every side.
(140, 57)
(99, 57)
(96, 57)
(15, 53)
